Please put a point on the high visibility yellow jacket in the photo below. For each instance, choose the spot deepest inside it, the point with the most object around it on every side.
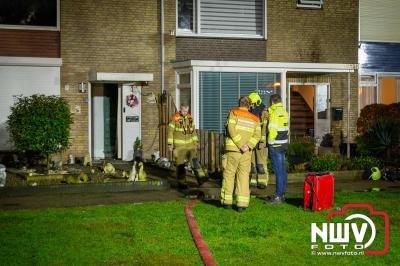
(243, 128)
(182, 131)
(278, 126)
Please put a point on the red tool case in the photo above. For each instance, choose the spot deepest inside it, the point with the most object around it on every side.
(318, 191)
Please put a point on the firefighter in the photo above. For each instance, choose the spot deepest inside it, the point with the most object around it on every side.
(183, 142)
(278, 133)
(259, 169)
(243, 134)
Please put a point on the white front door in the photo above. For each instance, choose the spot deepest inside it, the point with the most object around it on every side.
(322, 114)
(131, 119)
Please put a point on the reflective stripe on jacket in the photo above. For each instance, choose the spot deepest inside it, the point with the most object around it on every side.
(181, 130)
(243, 128)
(278, 126)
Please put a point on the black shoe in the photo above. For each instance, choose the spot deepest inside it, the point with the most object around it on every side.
(227, 206)
(275, 200)
(241, 209)
(261, 186)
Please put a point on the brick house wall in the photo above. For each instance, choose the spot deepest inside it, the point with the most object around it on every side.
(114, 36)
(222, 49)
(327, 35)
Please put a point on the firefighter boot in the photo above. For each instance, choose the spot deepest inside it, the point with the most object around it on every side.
(181, 176)
(201, 176)
(253, 176)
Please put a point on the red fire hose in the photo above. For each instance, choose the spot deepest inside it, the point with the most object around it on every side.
(201, 245)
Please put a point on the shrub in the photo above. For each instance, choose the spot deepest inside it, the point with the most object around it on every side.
(382, 139)
(40, 124)
(300, 150)
(327, 162)
(371, 113)
(364, 162)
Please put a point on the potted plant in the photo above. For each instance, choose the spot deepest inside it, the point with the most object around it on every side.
(326, 145)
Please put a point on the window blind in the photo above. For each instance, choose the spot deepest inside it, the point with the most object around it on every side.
(232, 17)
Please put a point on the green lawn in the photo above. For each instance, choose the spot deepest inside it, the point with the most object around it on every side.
(157, 234)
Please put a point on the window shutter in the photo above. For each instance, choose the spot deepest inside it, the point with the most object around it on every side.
(210, 100)
(229, 94)
(232, 17)
(219, 93)
(248, 83)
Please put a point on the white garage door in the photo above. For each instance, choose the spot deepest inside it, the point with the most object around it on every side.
(25, 80)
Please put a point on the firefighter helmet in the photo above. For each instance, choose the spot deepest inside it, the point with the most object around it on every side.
(255, 98)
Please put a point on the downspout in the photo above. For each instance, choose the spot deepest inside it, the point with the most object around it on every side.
(162, 47)
(348, 114)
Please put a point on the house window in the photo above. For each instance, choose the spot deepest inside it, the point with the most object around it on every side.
(367, 96)
(310, 3)
(29, 13)
(220, 91)
(220, 18)
(184, 90)
(385, 91)
(185, 15)
(389, 90)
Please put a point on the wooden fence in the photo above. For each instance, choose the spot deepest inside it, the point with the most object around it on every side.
(211, 149)
(166, 109)
(211, 143)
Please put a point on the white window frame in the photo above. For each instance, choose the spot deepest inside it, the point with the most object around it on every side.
(197, 22)
(367, 84)
(179, 86)
(27, 27)
(375, 84)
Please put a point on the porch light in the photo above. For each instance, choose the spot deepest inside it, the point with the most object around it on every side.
(277, 84)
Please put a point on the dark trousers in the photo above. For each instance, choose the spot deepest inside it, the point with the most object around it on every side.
(277, 157)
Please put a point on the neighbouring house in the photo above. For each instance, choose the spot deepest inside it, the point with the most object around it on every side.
(29, 54)
(379, 52)
(113, 58)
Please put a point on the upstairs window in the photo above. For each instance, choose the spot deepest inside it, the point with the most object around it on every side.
(317, 4)
(186, 15)
(29, 14)
(221, 18)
